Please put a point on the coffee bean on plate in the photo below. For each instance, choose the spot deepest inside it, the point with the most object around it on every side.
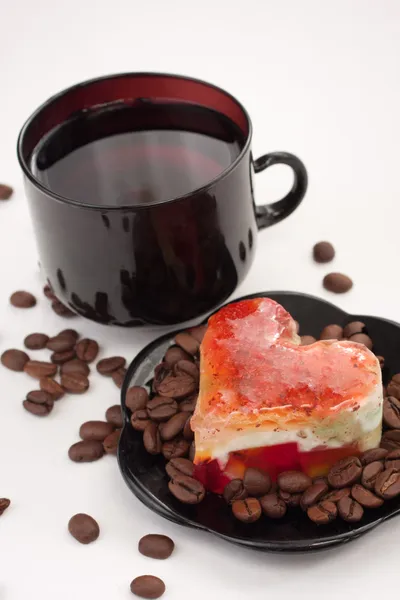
(74, 383)
(60, 343)
(391, 440)
(391, 412)
(313, 494)
(107, 366)
(350, 510)
(148, 586)
(114, 415)
(370, 473)
(352, 328)
(365, 497)
(87, 350)
(393, 460)
(36, 341)
(393, 388)
(161, 408)
(273, 506)
(156, 546)
(336, 495)
(345, 472)
(83, 528)
(307, 340)
(179, 466)
(151, 438)
(136, 398)
(39, 369)
(39, 403)
(23, 299)
(110, 443)
(256, 482)
(188, 433)
(291, 500)
(192, 451)
(86, 451)
(387, 484)
(188, 367)
(61, 310)
(118, 377)
(187, 342)
(59, 358)
(95, 430)
(140, 419)
(320, 479)
(175, 354)
(234, 490)
(293, 482)
(4, 504)
(247, 510)
(338, 283)
(381, 360)
(177, 448)
(322, 513)
(15, 360)
(187, 489)
(323, 252)
(362, 338)
(198, 332)
(75, 366)
(373, 455)
(189, 404)
(5, 191)
(173, 384)
(331, 332)
(173, 426)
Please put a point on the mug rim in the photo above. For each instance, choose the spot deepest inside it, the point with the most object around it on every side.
(124, 207)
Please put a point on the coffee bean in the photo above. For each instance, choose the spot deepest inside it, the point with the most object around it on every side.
(107, 366)
(391, 440)
(291, 500)
(15, 360)
(59, 358)
(38, 403)
(234, 491)
(186, 489)
(370, 473)
(86, 451)
(313, 494)
(320, 479)
(61, 310)
(5, 191)
(337, 283)
(118, 377)
(148, 586)
(273, 506)
(83, 528)
(174, 385)
(179, 466)
(350, 510)
(188, 367)
(393, 460)
(110, 443)
(331, 332)
(362, 338)
(198, 332)
(345, 472)
(87, 350)
(48, 292)
(336, 495)
(381, 360)
(61, 343)
(4, 504)
(161, 408)
(75, 366)
(187, 342)
(366, 497)
(387, 484)
(176, 448)
(372, 455)
(393, 388)
(353, 328)
(36, 341)
(95, 430)
(71, 333)
(293, 482)
(156, 546)
(136, 398)
(189, 404)
(192, 451)
(140, 419)
(39, 369)
(51, 386)
(173, 426)
(114, 415)
(175, 354)
(151, 438)
(188, 432)
(322, 513)
(323, 252)
(307, 340)
(247, 510)
(256, 482)
(23, 299)
(74, 383)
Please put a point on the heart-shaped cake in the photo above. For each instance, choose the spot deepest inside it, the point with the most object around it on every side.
(267, 401)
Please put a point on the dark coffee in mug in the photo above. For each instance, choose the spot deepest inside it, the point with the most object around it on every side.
(136, 154)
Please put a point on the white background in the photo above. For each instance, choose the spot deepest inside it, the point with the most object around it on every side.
(320, 79)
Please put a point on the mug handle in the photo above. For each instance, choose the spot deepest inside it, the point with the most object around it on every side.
(269, 214)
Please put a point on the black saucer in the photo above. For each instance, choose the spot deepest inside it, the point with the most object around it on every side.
(145, 474)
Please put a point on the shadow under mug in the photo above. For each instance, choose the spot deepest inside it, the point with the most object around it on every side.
(159, 263)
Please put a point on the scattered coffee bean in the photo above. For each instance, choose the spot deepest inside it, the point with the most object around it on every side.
(393, 460)
(353, 328)
(86, 451)
(372, 455)
(336, 495)
(387, 484)
(331, 332)
(5, 191)
(61, 310)
(15, 360)
(177, 448)
(39, 403)
(188, 433)
(74, 383)
(95, 430)
(391, 440)
(247, 510)
(59, 358)
(293, 482)
(4, 504)
(87, 350)
(23, 300)
(71, 333)
(198, 332)
(391, 412)
(107, 366)
(156, 546)
(75, 366)
(174, 355)
(350, 510)
(161, 408)
(83, 528)
(307, 340)
(313, 494)
(110, 443)
(365, 497)
(322, 513)
(362, 338)
(36, 341)
(187, 342)
(381, 360)
(186, 489)
(345, 472)
(118, 377)
(48, 292)
(323, 252)
(234, 491)
(291, 500)
(173, 426)
(39, 369)
(393, 388)
(179, 466)
(273, 506)
(61, 343)
(151, 438)
(114, 415)
(256, 482)
(337, 283)
(370, 473)
(140, 419)
(189, 404)
(136, 398)
(148, 586)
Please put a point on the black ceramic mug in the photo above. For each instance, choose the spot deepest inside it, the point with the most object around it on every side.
(157, 260)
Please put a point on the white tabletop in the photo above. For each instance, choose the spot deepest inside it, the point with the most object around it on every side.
(319, 79)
